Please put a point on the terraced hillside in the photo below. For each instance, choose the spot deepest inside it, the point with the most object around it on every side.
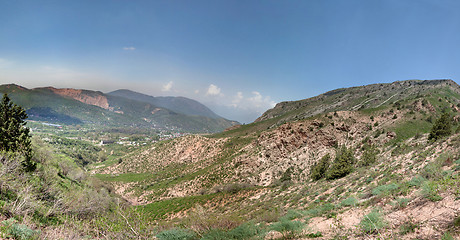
(361, 163)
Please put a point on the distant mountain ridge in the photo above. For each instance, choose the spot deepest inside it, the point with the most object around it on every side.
(176, 104)
(79, 106)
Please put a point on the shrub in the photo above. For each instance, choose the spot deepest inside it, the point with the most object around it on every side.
(21, 231)
(177, 234)
(288, 228)
(407, 227)
(216, 234)
(245, 231)
(432, 171)
(442, 127)
(430, 191)
(351, 201)
(287, 175)
(416, 181)
(320, 210)
(235, 187)
(314, 235)
(292, 214)
(318, 170)
(385, 190)
(401, 203)
(447, 236)
(372, 222)
(342, 165)
(17, 231)
(369, 156)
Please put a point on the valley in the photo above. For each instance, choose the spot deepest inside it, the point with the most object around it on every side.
(379, 161)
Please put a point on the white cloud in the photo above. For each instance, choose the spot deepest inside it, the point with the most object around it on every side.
(237, 99)
(256, 102)
(213, 90)
(129, 48)
(197, 91)
(167, 87)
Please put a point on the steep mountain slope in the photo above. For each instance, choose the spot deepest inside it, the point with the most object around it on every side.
(383, 166)
(75, 106)
(355, 98)
(177, 104)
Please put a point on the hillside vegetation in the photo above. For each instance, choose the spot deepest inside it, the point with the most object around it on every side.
(96, 109)
(383, 168)
(371, 162)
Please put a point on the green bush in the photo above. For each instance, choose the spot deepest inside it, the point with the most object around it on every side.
(288, 228)
(245, 231)
(369, 156)
(430, 191)
(401, 203)
(292, 214)
(416, 181)
(442, 127)
(216, 234)
(342, 165)
(314, 235)
(17, 231)
(372, 222)
(21, 231)
(351, 201)
(177, 234)
(318, 170)
(432, 171)
(447, 236)
(385, 190)
(407, 227)
(320, 210)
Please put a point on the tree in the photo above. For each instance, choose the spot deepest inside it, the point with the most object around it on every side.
(318, 170)
(342, 164)
(14, 136)
(442, 127)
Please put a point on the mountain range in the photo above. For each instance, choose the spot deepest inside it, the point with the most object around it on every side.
(121, 108)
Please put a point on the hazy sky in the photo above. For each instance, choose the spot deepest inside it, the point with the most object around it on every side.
(237, 57)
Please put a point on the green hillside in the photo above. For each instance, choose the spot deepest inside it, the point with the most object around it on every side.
(44, 104)
(382, 163)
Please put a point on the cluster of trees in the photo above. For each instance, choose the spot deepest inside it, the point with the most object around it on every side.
(14, 136)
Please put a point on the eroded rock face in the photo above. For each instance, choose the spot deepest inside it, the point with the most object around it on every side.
(87, 97)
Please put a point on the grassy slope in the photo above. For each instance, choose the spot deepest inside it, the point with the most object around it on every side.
(308, 197)
(410, 173)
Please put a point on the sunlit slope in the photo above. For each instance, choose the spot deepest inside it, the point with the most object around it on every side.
(383, 127)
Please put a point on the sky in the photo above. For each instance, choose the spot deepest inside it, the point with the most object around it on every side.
(238, 57)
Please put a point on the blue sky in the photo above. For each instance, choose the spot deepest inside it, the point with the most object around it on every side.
(237, 57)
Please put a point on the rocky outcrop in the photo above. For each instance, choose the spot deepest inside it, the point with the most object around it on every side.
(84, 96)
